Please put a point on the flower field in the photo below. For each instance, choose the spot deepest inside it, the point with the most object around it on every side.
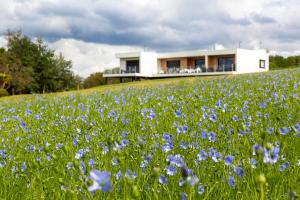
(229, 138)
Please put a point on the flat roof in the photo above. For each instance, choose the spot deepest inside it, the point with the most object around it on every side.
(128, 55)
(196, 53)
(193, 53)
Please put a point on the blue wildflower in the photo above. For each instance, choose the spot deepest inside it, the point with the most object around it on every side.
(22, 124)
(235, 118)
(192, 180)
(256, 149)
(162, 179)
(284, 166)
(253, 162)
(178, 113)
(118, 175)
(228, 160)
(167, 137)
(204, 134)
(91, 163)
(270, 130)
(297, 128)
(79, 154)
(74, 141)
(231, 181)
(202, 155)
(200, 189)
(216, 156)
(81, 167)
(123, 143)
(101, 181)
(24, 167)
(130, 175)
(177, 160)
(213, 117)
(112, 114)
(167, 147)
(262, 105)
(183, 145)
(114, 161)
(183, 196)
(271, 156)
(284, 130)
(212, 137)
(59, 146)
(69, 166)
(171, 170)
(239, 171)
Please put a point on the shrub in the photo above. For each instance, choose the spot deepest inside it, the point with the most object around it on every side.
(3, 92)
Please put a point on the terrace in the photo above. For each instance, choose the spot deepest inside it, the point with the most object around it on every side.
(179, 67)
(190, 65)
(193, 63)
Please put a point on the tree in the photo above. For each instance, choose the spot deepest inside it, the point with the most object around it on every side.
(93, 80)
(15, 76)
(281, 62)
(48, 72)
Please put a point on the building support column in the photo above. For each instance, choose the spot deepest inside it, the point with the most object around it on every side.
(206, 62)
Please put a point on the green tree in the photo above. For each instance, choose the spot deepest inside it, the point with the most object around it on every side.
(15, 77)
(49, 72)
(93, 80)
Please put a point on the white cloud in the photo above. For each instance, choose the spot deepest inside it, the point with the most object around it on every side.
(87, 57)
(169, 25)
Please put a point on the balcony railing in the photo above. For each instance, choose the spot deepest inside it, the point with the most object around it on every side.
(197, 69)
(129, 70)
(175, 70)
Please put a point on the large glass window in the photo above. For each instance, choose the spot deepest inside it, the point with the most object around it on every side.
(200, 63)
(132, 66)
(226, 64)
(173, 66)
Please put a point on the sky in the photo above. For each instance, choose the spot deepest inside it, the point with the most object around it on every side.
(90, 32)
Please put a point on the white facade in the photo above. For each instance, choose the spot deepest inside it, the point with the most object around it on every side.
(248, 61)
(151, 64)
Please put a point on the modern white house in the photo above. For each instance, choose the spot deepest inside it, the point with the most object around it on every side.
(190, 63)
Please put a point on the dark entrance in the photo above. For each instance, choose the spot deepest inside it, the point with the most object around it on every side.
(132, 66)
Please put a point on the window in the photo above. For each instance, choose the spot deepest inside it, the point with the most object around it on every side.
(262, 64)
(226, 64)
(173, 66)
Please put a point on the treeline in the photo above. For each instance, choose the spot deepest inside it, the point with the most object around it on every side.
(97, 79)
(28, 66)
(279, 62)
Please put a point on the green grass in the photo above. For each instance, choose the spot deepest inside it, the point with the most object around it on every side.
(46, 131)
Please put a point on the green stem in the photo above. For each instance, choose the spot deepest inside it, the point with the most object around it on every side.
(262, 194)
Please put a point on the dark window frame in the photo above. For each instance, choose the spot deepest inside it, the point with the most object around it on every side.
(262, 64)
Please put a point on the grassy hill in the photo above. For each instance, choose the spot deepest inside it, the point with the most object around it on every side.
(226, 137)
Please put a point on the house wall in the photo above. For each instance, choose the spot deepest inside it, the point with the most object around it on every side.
(247, 61)
(148, 63)
(213, 62)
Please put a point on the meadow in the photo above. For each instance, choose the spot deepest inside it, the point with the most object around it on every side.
(234, 137)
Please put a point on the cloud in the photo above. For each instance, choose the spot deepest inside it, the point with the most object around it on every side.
(89, 57)
(168, 25)
(262, 19)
